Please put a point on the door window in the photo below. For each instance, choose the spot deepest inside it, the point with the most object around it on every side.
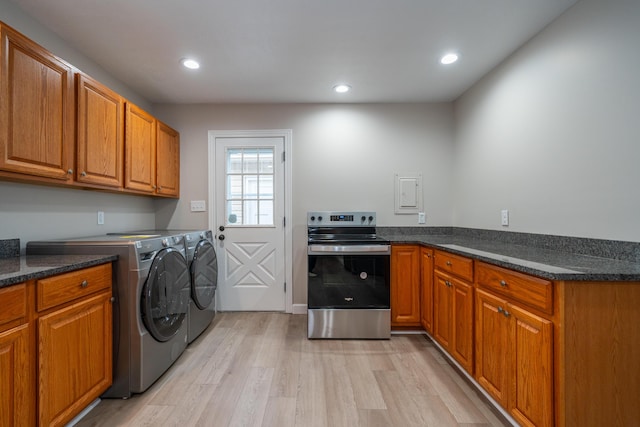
(249, 189)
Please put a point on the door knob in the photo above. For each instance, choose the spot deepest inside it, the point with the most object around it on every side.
(221, 237)
(221, 228)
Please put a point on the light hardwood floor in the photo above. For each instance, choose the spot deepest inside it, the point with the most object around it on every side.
(259, 369)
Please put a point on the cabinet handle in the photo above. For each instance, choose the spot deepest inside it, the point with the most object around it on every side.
(506, 313)
(449, 263)
(503, 283)
(153, 186)
(446, 282)
(70, 172)
(84, 284)
(500, 310)
(160, 187)
(113, 299)
(83, 173)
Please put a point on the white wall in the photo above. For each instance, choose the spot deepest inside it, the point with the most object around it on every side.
(553, 134)
(36, 212)
(344, 158)
(31, 212)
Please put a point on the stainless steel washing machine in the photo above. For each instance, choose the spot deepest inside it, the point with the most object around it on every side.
(151, 289)
(203, 266)
(203, 270)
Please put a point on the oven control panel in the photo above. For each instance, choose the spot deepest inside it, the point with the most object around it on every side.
(341, 219)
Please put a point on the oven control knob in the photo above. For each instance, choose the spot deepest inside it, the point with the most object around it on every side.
(363, 218)
(313, 218)
(319, 218)
(371, 218)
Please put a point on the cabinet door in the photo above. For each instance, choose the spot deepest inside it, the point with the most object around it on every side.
(426, 306)
(168, 161)
(492, 366)
(442, 303)
(100, 134)
(74, 357)
(462, 324)
(17, 397)
(405, 285)
(532, 351)
(140, 150)
(36, 109)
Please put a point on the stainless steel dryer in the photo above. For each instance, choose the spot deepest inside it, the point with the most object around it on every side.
(151, 287)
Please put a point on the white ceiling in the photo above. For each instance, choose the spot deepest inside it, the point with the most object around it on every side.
(296, 50)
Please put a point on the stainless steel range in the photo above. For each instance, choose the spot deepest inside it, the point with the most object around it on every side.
(348, 289)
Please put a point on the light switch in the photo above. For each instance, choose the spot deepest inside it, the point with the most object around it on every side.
(422, 218)
(505, 217)
(198, 206)
(100, 218)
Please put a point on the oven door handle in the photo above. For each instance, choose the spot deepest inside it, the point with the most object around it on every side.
(350, 249)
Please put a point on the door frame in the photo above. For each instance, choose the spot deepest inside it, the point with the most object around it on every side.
(287, 135)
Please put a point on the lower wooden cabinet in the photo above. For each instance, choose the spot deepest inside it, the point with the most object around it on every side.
(17, 363)
(405, 285)
(453, 317)
(55, 346)
(17, 397)
(426, 302)
(74, 358)
(514, 359)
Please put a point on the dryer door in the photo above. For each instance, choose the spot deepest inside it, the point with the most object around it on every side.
(204, 274)
(165, 295)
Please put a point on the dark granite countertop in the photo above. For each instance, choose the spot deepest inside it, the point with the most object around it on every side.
(546, 263)
(19, 269)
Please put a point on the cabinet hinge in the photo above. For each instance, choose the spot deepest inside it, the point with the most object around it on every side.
(285, 287)
(284, 221)
(284, 157)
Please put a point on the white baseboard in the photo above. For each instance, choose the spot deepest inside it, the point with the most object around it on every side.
(299, 309)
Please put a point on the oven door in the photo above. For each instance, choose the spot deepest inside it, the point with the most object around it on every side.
(349, 276)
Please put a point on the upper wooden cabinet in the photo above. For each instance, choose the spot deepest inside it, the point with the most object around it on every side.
(140, 142)
(152, 155)
(84, 134)
(36, 110)
(167, 161)
(100, 134)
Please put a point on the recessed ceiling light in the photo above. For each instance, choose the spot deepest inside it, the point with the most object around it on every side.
(449, 58)
(342, 88)
(190, 63)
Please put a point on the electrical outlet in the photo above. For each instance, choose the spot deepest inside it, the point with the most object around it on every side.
(100, 218)
(198, 206)
(422, 218)
(504, 216)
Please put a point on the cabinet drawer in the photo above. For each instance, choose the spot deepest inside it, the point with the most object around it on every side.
(57, 290)
(13, 300)
(533, 291)
(454, 264)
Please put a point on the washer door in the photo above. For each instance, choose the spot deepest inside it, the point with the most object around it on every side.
(165, 295)
(204, 274)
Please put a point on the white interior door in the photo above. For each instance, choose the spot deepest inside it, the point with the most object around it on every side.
(249, 223)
